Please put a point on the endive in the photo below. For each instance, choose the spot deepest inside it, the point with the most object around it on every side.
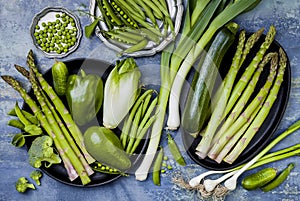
(120, 92)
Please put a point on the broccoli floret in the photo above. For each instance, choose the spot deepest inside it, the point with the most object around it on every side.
(41, 151)
(36, 175)
(22, 185)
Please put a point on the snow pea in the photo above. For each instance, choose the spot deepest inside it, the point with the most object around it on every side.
(175, 151)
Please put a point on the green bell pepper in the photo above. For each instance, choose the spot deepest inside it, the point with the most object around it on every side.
(84, 96)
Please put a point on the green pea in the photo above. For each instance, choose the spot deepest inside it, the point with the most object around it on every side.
(43, 48)
(57, 21)
(63, 15)
(57, 15)
(63, 19)
(37, 27)
(36, 34)
(43, 24)
(58, 51)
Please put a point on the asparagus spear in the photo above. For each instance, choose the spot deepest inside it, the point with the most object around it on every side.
(263, 113)
(237, 135)
(44, 123)
(31, 78)
(203, 146)
(248, 46)
(238, 108)
(60, 107)
(242, 119)
(240, 86)
(59, 135)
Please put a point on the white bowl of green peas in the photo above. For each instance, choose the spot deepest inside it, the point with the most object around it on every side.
(56, 32)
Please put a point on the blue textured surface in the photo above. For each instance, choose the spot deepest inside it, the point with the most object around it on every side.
(15, 42)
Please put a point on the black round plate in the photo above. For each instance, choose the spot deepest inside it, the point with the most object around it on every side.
(58, 172)
(268, 128)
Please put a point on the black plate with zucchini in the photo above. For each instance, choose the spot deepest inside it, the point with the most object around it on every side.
(58, 172)
(267, 129)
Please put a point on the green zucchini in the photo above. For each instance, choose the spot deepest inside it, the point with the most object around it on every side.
(60, 75)
(197, 106)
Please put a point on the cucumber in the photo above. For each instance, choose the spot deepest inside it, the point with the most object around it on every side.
(259, 179)
(197, 106)
(60, 76)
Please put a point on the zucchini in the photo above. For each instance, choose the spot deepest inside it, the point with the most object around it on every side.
(197, 106)
(60, 75)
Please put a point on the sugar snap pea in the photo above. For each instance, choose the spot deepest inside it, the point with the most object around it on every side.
(28, 116)
(156, 11)
(110, 12)
(16, 123)
(121, 38)
(21, 116)
(136, 36)
(139, 46)
(157, 167)
(137, 8)
(150, 35)
(148, 11)
(104, 16)
(175, 150)
(279, 179)
(124, 15)
(125, 6)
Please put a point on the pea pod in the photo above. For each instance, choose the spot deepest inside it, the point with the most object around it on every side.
(175, 151)
(28, 116)
(139, 46)
(157, 167)
(279, 179)
(110, 12)
(16, 123)
(259, 179)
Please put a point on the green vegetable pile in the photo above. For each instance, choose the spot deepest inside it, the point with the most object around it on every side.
(58, 35)
(133, 23)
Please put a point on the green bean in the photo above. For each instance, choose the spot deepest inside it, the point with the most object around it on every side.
(134, 128)
(16, 123)
(175, 151)
(142, 133)
(139, 46)
(146, 105)
(149, 112)
(129, 119)
(279, 179)
(157, 167)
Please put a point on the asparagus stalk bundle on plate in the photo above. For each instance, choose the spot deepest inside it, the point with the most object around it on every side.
(55, 119)
(231, 128)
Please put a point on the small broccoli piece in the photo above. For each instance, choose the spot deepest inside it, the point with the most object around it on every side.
(36, 175)
(41, 151)
(22, 185)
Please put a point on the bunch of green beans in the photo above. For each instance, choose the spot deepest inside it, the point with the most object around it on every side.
(135, 22)
(138, 121)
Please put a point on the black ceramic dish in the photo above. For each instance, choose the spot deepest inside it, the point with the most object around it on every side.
(58, 172)
(268, 128)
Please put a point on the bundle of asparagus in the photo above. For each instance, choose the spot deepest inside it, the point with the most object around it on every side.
(56, 120)
(236, 119)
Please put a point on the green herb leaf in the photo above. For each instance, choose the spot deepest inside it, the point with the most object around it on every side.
(18, 140)
(89, 29)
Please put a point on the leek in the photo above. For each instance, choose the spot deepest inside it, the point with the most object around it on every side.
(120, 92)
(229, 13)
